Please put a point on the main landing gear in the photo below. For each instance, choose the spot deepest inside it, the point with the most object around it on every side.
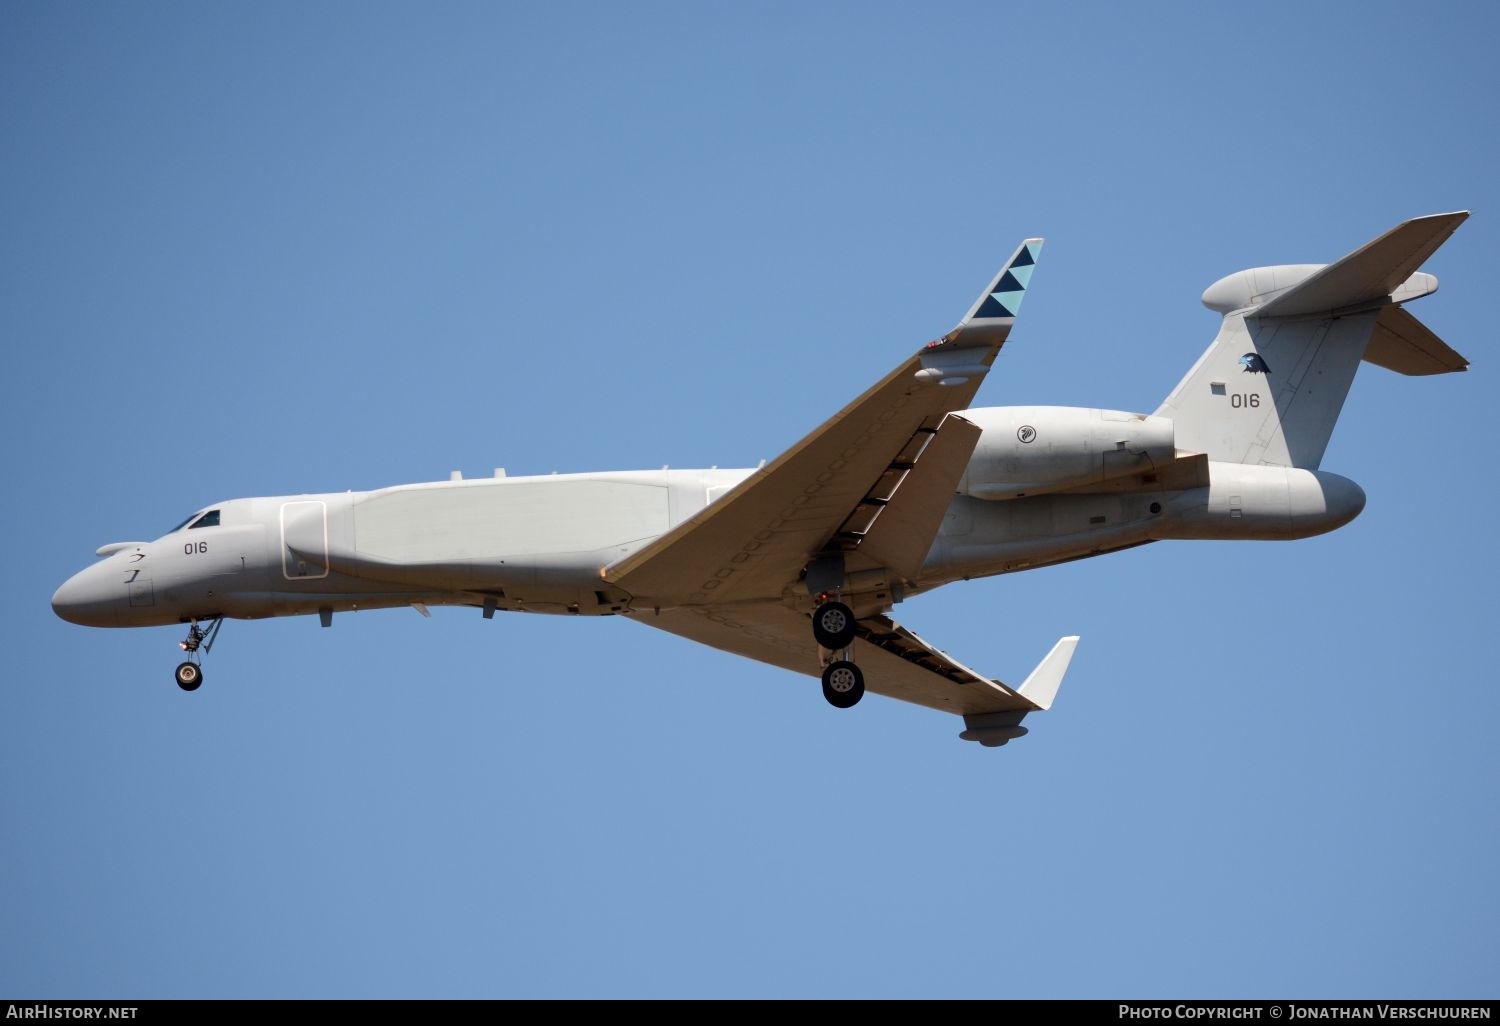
(843, 684)
(833, 625)
(834, 630)
(190, 673)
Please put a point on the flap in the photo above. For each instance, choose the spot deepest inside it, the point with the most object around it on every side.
(902, 532)
(896, 663)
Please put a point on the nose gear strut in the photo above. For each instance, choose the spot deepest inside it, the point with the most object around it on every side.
(189, 673)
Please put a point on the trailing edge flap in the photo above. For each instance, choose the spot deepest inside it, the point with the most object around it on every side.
(758, 538)
(896, 663)
(902, 533)
(1407, 346)
(1036, 694)
(1370, 273)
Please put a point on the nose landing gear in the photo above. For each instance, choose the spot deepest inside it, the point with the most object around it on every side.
(190, 673)
(189, 676)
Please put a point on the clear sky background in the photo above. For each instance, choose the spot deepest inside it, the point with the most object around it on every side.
(272, 248)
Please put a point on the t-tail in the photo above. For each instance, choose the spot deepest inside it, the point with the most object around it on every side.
(1271, 386)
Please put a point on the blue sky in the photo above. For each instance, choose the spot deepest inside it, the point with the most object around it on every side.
(272, 248)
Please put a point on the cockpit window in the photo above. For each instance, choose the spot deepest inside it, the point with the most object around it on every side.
(180, 526)
(199, 519)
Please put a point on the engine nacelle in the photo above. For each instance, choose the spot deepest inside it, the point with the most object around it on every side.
(1028, 450)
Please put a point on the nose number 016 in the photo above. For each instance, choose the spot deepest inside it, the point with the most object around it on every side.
(194, 548)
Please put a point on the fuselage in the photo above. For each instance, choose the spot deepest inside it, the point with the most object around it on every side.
(539, 544)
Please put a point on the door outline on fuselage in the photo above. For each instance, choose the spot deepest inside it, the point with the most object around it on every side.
(309, 530)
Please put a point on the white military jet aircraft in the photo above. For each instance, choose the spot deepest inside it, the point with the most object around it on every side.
(798, 563)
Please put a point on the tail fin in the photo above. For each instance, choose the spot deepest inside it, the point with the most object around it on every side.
(1270, 387)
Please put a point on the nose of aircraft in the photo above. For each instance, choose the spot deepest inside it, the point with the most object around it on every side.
(91, 597)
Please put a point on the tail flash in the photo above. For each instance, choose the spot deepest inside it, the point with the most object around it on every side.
(1272, 384)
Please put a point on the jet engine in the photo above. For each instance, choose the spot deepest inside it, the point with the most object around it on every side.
(1031, 450)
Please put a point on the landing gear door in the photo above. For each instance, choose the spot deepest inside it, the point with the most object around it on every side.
(304, 540)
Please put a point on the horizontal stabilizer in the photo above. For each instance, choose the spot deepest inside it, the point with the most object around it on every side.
(1407, 346)
(1370, 273)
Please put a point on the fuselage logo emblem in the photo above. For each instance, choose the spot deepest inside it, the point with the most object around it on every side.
(1254, 364)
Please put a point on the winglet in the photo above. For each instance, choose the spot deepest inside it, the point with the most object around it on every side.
(994, 729)
(952, 359)
(1041, 687)
(1002, 300)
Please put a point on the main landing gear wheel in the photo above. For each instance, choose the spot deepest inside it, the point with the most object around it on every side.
(843, 684)
(189, 676)
(833, 625)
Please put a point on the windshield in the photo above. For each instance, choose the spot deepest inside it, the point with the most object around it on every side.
(183, 524)
(204, 518)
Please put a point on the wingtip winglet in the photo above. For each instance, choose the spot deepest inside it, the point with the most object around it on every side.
(995, 729)
(1002, 300)
(1041, 687)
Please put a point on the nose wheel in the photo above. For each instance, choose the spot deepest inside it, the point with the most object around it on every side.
(189, 673)
(189, 676)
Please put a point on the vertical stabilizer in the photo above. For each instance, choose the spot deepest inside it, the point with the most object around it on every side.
(1271, 386)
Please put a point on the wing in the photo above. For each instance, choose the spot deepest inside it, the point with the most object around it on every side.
(871, 484)
(897, 663)
(759, 538)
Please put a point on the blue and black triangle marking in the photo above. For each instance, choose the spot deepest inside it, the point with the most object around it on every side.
(1004, 300)
(992, 307)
